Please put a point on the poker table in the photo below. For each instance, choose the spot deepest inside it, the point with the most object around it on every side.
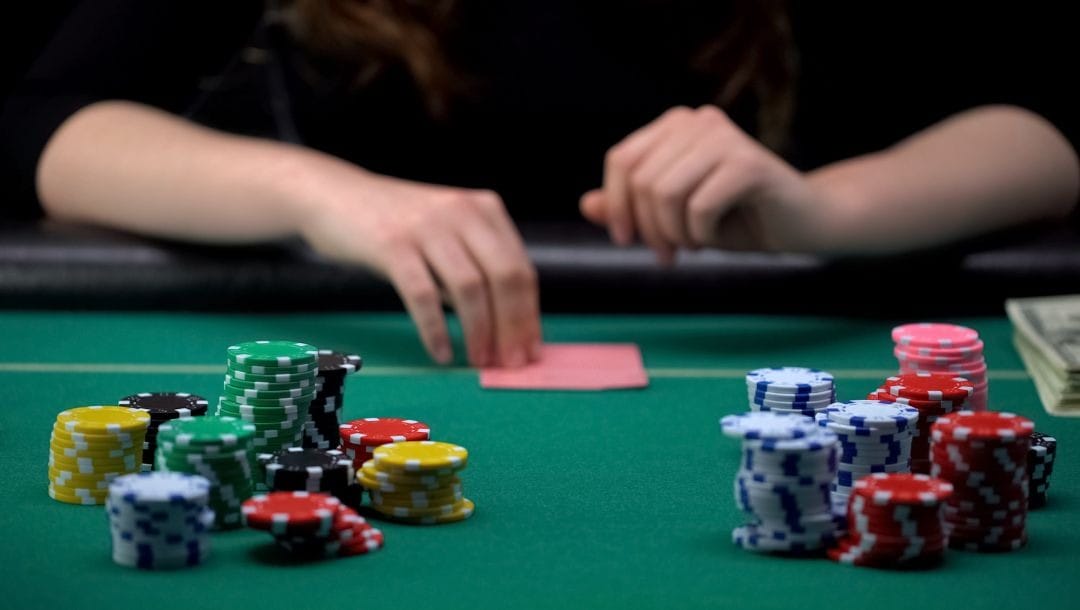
(617, 499)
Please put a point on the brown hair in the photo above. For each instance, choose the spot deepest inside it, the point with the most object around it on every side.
(752, 55)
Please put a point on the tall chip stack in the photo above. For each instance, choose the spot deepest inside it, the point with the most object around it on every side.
(874, 437)
(160, 520)
(418, 482)
(944, 348)
(790, 389)
(984, 456)
(321, 426)
(217, 448)
(270, 384)
(1041, 458)
(91, 446)
(162, 407)
(933, 395)
(786, 468)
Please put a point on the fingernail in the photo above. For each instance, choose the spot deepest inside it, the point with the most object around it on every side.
(516, 358)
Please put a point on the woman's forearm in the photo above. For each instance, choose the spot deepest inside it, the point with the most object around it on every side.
(134, 167)
(978, 171)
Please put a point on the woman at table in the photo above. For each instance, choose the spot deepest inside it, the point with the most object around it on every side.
(389, 134)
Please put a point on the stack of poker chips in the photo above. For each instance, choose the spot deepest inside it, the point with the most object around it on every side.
(790, 389)
(934, 395)
(874, 436)
(162, 407)
(91, 446)
(984, 455)
(787, 466)
(360, 437)
(159, 520)
(271, 385)
(894, 520)
(944, 348)
(217, 448)
(311, 525)
(1040, 466)
(321, 425)
(417, 482)
(315, 470)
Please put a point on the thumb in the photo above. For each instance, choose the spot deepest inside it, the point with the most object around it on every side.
(594, 207)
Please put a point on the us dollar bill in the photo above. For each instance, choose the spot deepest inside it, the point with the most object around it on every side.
(1047, 336)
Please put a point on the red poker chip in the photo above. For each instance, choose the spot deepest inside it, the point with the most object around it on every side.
(884, 527)
(930, 386)
(374, 431)
(291, 512)
(935, 335)
(937, 359)
(932, 407)
(881, 545)
(366, 541)
(902, 488)
(945, 352)
(984, 425)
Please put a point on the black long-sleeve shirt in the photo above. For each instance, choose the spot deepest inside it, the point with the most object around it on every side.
(554, 85)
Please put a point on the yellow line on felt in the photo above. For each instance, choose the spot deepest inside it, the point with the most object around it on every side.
(414, 371)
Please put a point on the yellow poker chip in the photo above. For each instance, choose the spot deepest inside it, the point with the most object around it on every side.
(62, 443)
(117, 438)
(443, 502)
(370, 477)
(103, 419)
(78, 495)
(90, 461)
(422, 495)
(66, 478)
(429, 457)
(461, 511)
(91, 452)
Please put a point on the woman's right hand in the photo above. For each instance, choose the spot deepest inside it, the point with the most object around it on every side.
(432, 243)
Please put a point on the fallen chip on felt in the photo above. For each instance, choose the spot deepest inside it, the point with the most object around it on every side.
(574, 366)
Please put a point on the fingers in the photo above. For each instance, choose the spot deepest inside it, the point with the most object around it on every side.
(620, 163)
(717, 194)
(409, 274)
(511, 279)
(594, 207)
(468, 293)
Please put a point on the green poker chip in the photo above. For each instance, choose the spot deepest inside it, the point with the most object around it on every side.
(291, 378)
(275, 354)
(270, 386)
(206, 430)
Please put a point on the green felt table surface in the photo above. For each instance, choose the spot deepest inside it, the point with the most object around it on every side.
(617, 499)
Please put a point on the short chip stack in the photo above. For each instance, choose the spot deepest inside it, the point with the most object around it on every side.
(874, 437)
(321, 426)
(91, 446)
(790, 389)
(984, 456)
(217, 448)
(417, 482)
(934, 395)
(159, 520)
(271, 384)
(315, 470)
(162, 407)
(1040, 466)
(787, 466)
(944, 348)
(894, 520)
(360, 437)
(312, 525)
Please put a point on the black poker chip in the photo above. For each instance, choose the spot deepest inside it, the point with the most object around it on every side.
(167, 405)
(332, 364)
(298, 469)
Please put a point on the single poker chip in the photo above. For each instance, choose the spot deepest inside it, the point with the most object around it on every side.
(874, 414)
(272, 353)
(330, 360)
(462, 510)
(925, 334)
(765, 425)
(273, 377)
(167, 405)
(924, 406)
(890, 489)
(373, 431)
(930, 386)
(420, 456)
(207, 430)
(269, 386)
(789, 380)
(930, 362)
(103, 420)
(282, 512)
(983, 425)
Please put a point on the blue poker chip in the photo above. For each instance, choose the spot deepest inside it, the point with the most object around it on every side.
(874, 414)
(789, 380)
(755, 425)
(847, 433)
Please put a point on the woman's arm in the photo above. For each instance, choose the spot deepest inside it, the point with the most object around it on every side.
(692, 178)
